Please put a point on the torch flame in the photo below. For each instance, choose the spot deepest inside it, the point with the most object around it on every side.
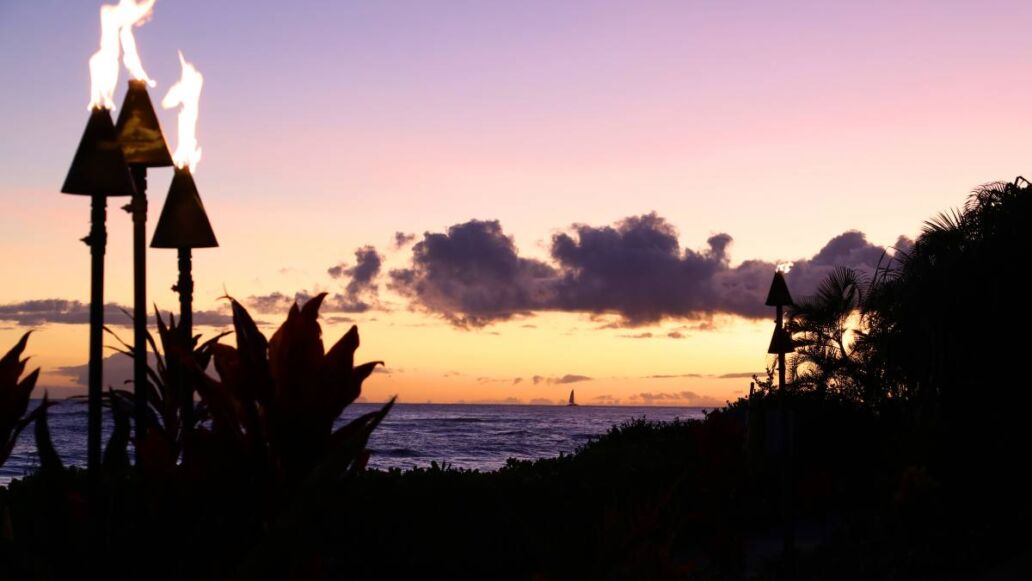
(186, 93)
(784, 267)
(116, 36)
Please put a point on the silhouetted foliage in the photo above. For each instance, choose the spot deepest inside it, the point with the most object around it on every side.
(255, 472)
(15, 392)
(166, 379)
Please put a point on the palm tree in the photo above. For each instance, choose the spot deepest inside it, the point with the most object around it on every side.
(824, 328)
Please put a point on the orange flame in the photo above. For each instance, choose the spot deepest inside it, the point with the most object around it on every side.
(784, 267)
(186, 93)
(116, 36)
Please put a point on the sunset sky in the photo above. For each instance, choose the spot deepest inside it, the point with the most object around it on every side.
(513, 199)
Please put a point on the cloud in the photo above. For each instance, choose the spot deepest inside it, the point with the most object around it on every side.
(511, 400)
(359, 295)
(740, 375)
(517, 381)
(213, 318)
(568, 378)
(118, 371)
(275, 303)
(403, 239)
(362, 285)
(541, 401)
(680, 397)
(43, 311)
(646, 335)
(606, 399)
(677, 376)
(473, 275)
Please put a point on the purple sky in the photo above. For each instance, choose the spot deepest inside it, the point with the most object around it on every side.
(327, 126)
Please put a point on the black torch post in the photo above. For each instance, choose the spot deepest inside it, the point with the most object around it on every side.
(780, 344)
(143, 144)
(184, 225)
(98, 170)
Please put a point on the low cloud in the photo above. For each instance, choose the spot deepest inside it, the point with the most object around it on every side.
(277, 303)
(568, 378)
(647, 335)
(39, 312)
(511, 400)
(42, 311)
(734, 375)
(403, 239)
(473, 275)
(361, 291)
(689, 398)
(740, 375)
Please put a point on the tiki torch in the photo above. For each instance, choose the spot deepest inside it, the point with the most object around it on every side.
(143, 143)
(183, 223)
(780, 344)
(99, 170)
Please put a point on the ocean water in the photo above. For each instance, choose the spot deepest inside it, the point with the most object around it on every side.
(465, 436)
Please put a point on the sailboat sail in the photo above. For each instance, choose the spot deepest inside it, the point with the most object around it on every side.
(572, 402)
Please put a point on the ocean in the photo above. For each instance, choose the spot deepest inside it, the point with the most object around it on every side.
(462, 435)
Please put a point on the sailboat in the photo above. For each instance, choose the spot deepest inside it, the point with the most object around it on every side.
(572, 403)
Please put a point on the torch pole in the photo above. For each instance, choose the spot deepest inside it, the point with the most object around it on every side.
(138, 208)
(185, 289)
(97, 241)
(788, 511)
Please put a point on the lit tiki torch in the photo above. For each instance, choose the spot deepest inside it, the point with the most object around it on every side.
(184, 224)
(99, 170)
(780, 344)
(143, 143)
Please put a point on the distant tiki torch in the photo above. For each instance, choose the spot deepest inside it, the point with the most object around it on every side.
(98, 170)
(183, 223)
(780, 344)
(143, 143)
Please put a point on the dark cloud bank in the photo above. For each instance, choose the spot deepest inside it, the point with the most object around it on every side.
(473, 275)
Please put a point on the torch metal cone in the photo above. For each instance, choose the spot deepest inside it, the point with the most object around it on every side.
(138, 130)
(99, 166)
(183, 222)
(778, 295)
(781, 342)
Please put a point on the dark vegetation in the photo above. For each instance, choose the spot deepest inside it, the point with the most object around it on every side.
(909, 400)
